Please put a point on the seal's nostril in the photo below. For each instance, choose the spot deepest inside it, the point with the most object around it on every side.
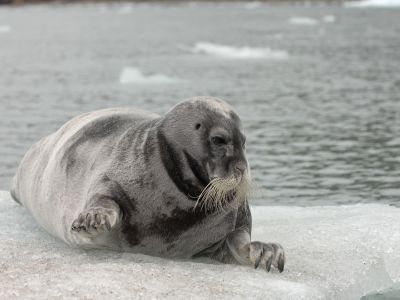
(240, 169)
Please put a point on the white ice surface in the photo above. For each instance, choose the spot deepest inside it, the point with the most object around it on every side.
(131, 75)
(231, 52)
(337, 252)
(373, 3)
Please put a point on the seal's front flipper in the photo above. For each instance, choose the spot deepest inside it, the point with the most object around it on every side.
(97, 227)
(97, 220)
(237, 248)
(267, 255)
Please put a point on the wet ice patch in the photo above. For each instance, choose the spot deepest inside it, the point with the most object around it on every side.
(232, 52)
(303, 21)
(5, 28)
(333, 252)
(131, 75)
(373, 3)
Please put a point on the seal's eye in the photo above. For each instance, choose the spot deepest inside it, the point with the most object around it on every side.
(198, 125)
(219, 141)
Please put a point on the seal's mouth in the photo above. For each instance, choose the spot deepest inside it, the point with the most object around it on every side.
(221, 192)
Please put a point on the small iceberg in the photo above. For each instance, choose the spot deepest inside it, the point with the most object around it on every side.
(329, 19)
(373, 3)
(131, 75)
(303, 21)
(5, 28)
(231, 52)
(126, 9)
(252, 5)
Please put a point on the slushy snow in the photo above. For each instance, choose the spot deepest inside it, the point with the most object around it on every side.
(131, 75)
(231, 52)
(336, 252)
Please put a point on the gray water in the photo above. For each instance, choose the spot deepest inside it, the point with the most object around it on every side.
(323, 124)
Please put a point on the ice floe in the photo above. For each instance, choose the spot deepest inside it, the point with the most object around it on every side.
(373, 3)
(333, 252)
(329, 19)
(5, 28)
(232, 52)
(303, 21)
(131, 75)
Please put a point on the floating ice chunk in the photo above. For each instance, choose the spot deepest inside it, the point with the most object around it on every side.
(333, 252)
(373, 3)
(135, 76)
(303, 21)
(5, 28)
(252, 5)
(329, 19)
(126, 8)
(238, 52)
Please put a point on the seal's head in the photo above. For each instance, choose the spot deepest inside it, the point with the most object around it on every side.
(202, 145)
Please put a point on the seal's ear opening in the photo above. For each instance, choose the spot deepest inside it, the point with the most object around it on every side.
(198, 125)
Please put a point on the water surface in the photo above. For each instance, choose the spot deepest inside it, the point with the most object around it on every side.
(320, 99)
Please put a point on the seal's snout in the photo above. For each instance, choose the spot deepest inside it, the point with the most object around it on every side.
(240, 170)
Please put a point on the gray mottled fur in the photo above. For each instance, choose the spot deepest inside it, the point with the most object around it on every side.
(104, 180)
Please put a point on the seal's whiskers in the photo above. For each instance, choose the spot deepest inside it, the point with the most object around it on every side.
(218, 193)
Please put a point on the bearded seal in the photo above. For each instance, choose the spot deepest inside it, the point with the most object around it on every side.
(130, 180)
